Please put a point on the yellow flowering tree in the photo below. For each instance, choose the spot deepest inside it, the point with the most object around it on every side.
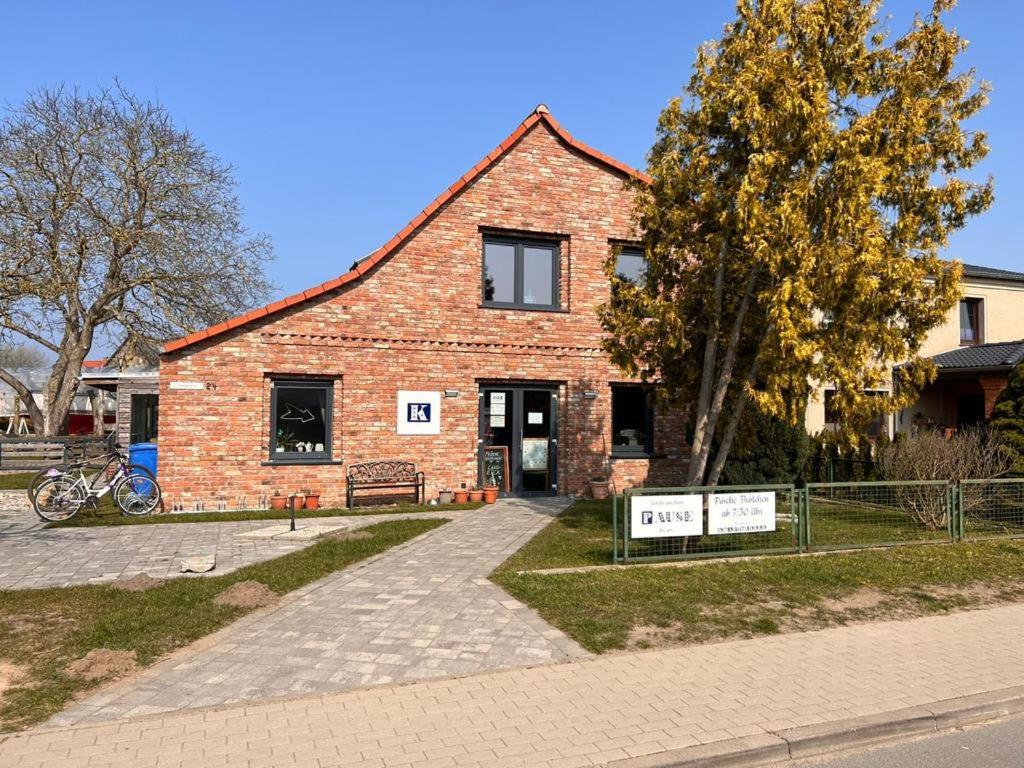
(800, 196)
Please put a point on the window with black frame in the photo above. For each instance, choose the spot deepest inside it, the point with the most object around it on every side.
(632, 421)
(300, 420)
(520, 274)
(631, 265)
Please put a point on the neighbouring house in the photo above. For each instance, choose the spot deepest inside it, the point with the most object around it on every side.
(469, 340)
(981, 339)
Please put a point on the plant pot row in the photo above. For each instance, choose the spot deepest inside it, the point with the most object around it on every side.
(304, 500)
(488, 494)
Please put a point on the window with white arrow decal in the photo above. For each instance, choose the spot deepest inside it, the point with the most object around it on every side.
(301, 419)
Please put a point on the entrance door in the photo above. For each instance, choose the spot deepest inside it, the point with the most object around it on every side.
(519, 436)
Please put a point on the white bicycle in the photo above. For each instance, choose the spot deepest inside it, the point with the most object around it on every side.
(63, 493)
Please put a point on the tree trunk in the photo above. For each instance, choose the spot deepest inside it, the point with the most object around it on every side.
(98, 401)
(700, 436)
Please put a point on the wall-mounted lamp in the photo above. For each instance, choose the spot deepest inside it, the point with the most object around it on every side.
(451, 393)
(590, 395)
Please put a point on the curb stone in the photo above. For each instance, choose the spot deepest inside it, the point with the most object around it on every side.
(839, 735)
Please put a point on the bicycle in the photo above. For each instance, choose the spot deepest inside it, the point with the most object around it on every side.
(117, 456)
(63, 493)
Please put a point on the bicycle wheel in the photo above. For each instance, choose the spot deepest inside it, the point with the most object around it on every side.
(137, 494)
(39, 479)
(58, 498)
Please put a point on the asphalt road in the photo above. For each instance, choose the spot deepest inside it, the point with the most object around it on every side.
(995, 745)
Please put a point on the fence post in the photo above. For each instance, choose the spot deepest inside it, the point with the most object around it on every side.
(615, 528)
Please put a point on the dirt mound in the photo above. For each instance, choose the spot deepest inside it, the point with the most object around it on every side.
(349, 535)
(102, 663)
(246, 594)
(138, 583)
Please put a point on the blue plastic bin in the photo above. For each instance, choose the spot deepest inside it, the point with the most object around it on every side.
(143, 454)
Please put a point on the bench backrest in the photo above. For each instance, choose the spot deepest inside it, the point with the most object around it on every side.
(381, 471)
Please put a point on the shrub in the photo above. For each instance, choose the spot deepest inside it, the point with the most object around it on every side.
(767, 450)
(971, 453)
(1008, 417)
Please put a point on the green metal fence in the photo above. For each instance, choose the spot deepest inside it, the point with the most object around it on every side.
(876, 514)
(653, 524)
(990, 509)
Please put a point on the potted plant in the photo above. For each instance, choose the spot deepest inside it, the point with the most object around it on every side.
(312, 499)
(278, 500)
(445, 496)
(600, 483)
(490, 494)
(461, 495)
(297, 500)
(476, 494)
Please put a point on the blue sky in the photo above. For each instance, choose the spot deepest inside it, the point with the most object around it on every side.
(343, 120)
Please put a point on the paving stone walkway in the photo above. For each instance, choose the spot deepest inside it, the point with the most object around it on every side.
(423, 609)
(619, 707)
(32, 556)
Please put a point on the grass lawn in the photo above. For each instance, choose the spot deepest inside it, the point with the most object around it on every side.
(43, 630)
(108, 514)
(13, 481)
(641, 607)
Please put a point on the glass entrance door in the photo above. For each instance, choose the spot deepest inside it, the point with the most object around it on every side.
(519, 439)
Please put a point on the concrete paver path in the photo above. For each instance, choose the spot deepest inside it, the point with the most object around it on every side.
(423, 609)
(582, 713)
(32, 556)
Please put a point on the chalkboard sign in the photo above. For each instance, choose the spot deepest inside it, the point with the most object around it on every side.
(496, 466)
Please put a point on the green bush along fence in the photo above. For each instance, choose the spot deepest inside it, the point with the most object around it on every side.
(654, 524)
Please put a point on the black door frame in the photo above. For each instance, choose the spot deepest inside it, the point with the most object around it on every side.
(516, 416)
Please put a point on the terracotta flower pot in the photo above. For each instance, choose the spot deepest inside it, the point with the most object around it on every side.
(278, 502)
(599, 489)
(297, 501)
(462, 496)
(476, 495)
(490, 494)
(313, 501)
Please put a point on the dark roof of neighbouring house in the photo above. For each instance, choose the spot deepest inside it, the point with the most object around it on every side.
(1003, 354)
(991, 273)
(361, 267)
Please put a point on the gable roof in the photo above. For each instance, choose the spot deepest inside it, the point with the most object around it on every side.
(1003, 354)
(361, 267)
(975, 270)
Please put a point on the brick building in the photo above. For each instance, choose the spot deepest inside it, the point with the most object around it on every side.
(473, 328)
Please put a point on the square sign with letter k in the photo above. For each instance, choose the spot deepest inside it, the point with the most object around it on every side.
(419, 413)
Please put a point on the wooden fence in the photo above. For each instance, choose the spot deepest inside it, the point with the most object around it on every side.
(35, 453)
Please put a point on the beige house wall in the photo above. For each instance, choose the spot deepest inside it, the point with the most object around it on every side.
(1002, 319)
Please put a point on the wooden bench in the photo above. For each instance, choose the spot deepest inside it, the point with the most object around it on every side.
(379, 475)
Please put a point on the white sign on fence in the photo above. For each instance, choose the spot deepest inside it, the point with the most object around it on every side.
(668, 515)
(741, 512)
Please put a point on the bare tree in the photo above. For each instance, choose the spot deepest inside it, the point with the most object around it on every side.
(113, 221)
(18, 356)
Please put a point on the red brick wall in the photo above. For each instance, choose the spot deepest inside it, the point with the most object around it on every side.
(415, 322)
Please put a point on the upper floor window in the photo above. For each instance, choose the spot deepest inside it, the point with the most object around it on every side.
(632, 420)
(300, 420)
(630, 265)
(520, 273)
(971, 331)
